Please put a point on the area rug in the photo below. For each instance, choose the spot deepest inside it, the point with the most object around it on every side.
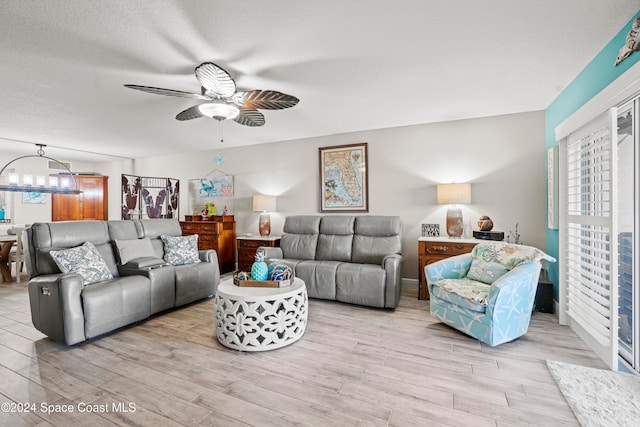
(599, 397)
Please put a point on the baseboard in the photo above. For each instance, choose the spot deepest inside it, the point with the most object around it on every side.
(412, 283)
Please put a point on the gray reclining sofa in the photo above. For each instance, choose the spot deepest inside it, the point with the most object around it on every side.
(69, 312)
(353, 259)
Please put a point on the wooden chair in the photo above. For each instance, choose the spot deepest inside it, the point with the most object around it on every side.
(17, 254)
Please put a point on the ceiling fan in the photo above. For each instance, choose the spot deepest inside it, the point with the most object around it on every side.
(223, 102)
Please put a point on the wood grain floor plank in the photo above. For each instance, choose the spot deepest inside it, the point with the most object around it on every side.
(13, 359)
(60, 382)
(22, 390)
(373, 413)
(131, 391)
(244, 411)
(292, 406)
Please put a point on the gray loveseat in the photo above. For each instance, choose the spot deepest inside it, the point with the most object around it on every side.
(69, 312)
(353, 259)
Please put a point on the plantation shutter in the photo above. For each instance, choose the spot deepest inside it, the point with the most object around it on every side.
(587, 244)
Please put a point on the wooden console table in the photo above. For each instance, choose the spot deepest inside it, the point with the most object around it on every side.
(219, 235)
(432, 249)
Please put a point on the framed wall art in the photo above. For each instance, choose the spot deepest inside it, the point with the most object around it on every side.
(344, 183)
(149, 197)
(216, 186)
(552, 188)
(32, 197)
(430, 230)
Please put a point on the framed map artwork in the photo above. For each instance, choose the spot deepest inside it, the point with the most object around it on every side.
(344, 183)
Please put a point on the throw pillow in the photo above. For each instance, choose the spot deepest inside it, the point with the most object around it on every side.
(486, 272)
(134, 248)
(180, 250)
(84, 260)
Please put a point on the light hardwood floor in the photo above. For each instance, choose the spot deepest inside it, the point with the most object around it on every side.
(354, 366)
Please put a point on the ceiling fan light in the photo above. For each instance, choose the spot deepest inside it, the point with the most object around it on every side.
(219, 111)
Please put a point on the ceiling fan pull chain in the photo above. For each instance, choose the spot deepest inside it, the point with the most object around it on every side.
(221, 134)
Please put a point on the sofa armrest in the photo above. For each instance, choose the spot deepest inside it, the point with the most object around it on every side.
(211, 256)
(271, 253)
(392, 265)
(56, 306)
(455, 267)
(516, 290)
(208, 255)
(144, 263)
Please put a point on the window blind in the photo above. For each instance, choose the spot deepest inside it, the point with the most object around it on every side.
(589, 265)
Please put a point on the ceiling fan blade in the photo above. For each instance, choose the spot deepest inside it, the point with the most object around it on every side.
(169, 92)
(215, 79)
(265, 99)
(190, 113)
(250, 117)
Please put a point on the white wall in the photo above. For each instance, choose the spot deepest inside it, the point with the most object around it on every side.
(503, 157)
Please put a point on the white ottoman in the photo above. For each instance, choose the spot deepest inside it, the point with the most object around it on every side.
(259, 319)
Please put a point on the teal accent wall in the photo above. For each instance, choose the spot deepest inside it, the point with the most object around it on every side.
(597, 75)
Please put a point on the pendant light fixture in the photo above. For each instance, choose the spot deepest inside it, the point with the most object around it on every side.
(38, 183)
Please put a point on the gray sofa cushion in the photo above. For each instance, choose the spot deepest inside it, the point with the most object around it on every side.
(193, 282)
(116, 303)
(124, 230)
(131, 249)
(375, 238)
(300, 237)
(362, 284)
(336, 238)
(319, 276)
(63, 235)
(153, 229)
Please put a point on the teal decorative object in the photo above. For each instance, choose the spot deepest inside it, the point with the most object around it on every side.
(259, 269)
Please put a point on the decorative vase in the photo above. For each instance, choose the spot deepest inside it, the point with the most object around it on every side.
(485, 223)
(455, 226)
(259, 269)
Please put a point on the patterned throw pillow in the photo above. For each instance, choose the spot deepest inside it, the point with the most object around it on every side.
(84, 260)
(486, 272)
(493, 259)
(181, 250)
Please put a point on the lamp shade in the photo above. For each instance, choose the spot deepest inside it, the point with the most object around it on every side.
(219, 111)
(264, 203)
(453, 194)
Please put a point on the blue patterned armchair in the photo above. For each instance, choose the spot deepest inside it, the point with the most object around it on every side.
(488, 293)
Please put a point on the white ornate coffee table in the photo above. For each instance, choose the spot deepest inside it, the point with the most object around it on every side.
(259, 319)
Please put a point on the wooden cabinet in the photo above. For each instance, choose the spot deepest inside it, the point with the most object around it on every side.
(219, 235)
(247, 249)
(432, 249)
(92, 203)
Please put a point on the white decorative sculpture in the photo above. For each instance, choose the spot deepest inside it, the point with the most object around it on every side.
(632, 44)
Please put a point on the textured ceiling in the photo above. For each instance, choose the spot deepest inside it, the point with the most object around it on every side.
(355, 65)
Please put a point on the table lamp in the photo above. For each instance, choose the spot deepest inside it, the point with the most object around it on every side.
(454, 194)
(264, 204)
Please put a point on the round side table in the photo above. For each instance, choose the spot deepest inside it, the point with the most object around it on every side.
(259, 319)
